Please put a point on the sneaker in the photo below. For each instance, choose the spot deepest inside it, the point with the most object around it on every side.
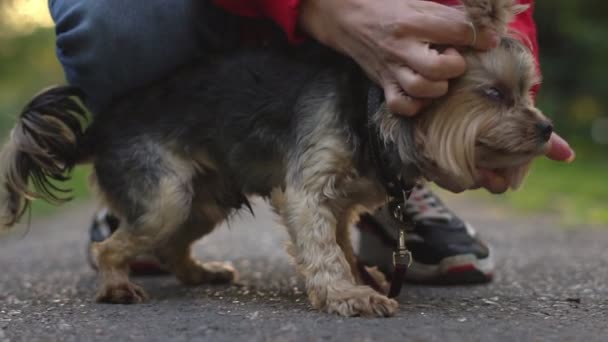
(103, 226)
(445, 249)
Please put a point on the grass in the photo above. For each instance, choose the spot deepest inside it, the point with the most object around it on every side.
(576, 193)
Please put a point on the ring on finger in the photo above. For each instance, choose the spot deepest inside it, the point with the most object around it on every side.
(474, 33)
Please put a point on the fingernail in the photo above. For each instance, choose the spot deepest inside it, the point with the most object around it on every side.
(571, 158)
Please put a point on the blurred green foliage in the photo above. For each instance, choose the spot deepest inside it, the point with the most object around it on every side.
(574, 59)
(27, 64)
(575, 194)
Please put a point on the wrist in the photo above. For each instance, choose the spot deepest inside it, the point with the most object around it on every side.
(310, 19)
(327, 21)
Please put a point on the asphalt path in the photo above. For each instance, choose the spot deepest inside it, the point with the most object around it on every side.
(551, 284)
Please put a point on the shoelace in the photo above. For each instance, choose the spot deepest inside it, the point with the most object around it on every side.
(424, 205)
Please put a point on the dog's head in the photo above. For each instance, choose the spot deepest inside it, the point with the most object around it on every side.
(488, 120)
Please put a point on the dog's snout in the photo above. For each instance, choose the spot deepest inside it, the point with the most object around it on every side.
(544, 129)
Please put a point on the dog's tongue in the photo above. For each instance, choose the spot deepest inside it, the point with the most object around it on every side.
(559, 150)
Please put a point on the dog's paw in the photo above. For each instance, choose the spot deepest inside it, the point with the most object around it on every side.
(360, 301)
(121, 293)
(208, 273)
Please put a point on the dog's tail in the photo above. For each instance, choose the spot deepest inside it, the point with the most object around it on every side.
(43, 147)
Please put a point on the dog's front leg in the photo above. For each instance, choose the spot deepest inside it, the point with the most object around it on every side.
(311, 219)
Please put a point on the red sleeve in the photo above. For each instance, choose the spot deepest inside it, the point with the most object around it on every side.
(524, 26)
(282, 12)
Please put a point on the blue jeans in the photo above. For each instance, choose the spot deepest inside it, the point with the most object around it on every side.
(108, 47)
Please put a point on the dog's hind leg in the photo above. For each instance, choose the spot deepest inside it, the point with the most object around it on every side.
(192, 272)
(178, 251)
(150, 190)
(113, 256)
(146, 235)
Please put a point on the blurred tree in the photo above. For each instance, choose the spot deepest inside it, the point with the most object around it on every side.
(574, 51)
(27, 56)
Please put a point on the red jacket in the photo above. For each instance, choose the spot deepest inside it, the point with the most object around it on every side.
(285, 14)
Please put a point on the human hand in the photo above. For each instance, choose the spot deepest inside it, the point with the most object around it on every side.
(391, 40)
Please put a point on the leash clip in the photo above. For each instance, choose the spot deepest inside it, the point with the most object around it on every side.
(402, 257)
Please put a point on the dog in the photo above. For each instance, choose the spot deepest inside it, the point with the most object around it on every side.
(176, 158)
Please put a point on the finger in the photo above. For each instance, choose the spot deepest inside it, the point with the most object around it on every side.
(398, 102)
(483, 39)
(416, 85)
(432, 64)
(558, 149)
(450, 26)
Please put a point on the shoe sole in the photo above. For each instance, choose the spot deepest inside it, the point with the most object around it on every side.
(455, 270)
(464, 269)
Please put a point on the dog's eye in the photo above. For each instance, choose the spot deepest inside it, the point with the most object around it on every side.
(494, 94)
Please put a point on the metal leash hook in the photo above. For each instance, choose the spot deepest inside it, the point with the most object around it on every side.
(402, 257)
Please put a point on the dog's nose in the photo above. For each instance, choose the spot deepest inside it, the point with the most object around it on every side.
(544, 129)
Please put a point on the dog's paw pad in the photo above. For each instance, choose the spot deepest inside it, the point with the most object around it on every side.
(361, 301)
(121, 293)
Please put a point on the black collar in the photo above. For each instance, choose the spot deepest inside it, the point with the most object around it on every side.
(395, 186)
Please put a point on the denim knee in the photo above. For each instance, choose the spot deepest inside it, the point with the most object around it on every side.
(112, 46)
(74, 47)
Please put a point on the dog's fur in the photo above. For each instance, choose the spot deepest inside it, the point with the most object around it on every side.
(175, 159)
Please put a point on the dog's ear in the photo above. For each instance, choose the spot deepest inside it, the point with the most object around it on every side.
(493, 14)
